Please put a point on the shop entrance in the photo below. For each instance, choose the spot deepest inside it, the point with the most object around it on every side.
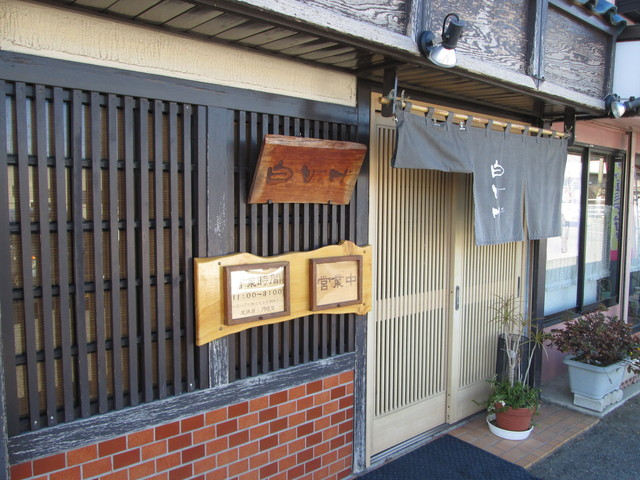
(431, 344)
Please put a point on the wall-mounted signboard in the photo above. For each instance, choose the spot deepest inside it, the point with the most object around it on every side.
(336, 282)
(240, 291)
(306, 170)
(256, 292)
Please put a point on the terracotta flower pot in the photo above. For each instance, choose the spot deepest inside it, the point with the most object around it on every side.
(515, 419)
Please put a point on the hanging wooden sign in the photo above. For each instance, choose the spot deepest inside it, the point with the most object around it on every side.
(240, 291)
(306, 170)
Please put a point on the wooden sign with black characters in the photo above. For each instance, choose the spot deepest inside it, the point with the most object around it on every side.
(306, 170)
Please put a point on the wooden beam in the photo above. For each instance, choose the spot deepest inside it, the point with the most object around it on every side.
(537, 28)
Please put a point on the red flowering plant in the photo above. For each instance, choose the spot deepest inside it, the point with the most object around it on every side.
(598, 339)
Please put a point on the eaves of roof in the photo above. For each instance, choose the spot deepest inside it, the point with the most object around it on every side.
(605, 9)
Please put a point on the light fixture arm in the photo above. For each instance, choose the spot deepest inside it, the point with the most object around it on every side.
(442, 54)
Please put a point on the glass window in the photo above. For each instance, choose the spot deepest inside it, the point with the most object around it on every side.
(582, 266)
(634, 252)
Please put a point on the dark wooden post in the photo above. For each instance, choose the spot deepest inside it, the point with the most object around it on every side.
(220, 165)
(537, 27)
(389, 83)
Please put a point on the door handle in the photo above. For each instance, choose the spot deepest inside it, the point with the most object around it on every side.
(457, 300)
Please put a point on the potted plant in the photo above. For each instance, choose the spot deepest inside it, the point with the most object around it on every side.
(513, 400)
(599, 348)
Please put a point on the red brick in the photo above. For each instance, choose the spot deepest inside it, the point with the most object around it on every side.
(204, 465)
(338, 417)
(278, 453)
(297, 392)
(337, 442)
(314, 387)
(153, 450)
(349, 412)
(346, 402)
(330, 408)
(127, 458)
(216, 416)
(314, 413)
(322, 423)
(280, 476)
(314, 439)
(22, 471)
(344, 427)
(268, 414)
(228, 456)
(74, 473)
(49, 464)
(328, 457)
(248, 421)
(226, 428)
(119, 475)
(312, 465)
(258, 404)
(330, 382)
(346, 377)
(159, 476)
(238, 410)
(297, 419)
(338, 392)
(81, 455)
(253, 475)
(193, 453)
(239, 467)
(220, 474)
(304, 403)
(259, 460)
(142, 470)
(138, 439)
(278, 425)
(249, 449)
(305, 429)
(110, 447)
(295, 472)
(204, 434)
(193, 423)
(321, 397)
(305, 455)
(217, 445)
(168, 430)
(269, 442)
(330, 432)
(167, 462)
(343, 474)
(185, 471)
(97, 467)
(286, 409)
(278, 398)
(287, 436)
(179, 443)
(239, 438)
(259, 431)
(287, 463)
(321, 474)
(297, 445)
(269, 470)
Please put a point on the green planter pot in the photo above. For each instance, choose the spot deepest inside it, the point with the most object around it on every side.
(593, 381)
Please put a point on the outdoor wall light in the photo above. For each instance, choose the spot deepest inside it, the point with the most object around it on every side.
(618, 108)
(443, 54)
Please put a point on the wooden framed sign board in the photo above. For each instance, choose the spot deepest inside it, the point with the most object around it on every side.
(240, 291)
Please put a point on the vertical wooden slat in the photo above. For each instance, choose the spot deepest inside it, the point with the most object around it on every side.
(187, 266)
(60, 125)
(200, 184)
(144, 307)
(6, 295)
(77, 139)
(114, 247)
(161, 314)
(30, 325)
(175, 248)
(130, 227)
(98, 251)
(44, 261)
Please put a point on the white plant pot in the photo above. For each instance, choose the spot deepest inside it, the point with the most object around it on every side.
(593, 381)
(506, 434)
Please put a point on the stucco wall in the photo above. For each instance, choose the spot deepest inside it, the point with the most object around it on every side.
(58, 33)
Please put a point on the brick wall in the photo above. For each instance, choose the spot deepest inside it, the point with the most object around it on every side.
(305, 432)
